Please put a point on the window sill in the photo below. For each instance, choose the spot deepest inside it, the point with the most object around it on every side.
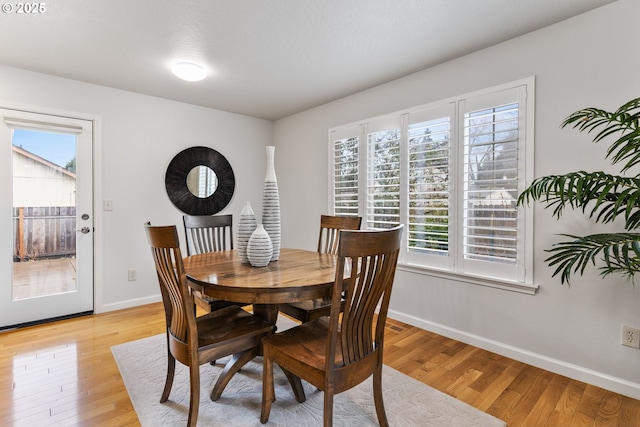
(523, 288)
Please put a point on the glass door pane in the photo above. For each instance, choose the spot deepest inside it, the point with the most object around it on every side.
(44, 213)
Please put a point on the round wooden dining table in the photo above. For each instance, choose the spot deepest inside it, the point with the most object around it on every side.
(298, 275)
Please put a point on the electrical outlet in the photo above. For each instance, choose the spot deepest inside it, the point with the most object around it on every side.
(630, 336)
(133, 275)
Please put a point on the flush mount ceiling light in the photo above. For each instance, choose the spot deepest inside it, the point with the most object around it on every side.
(189, 71)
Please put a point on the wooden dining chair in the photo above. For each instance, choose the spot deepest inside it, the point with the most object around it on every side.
(338, 352)
(208, 233)
(194, 341)
(328, 240)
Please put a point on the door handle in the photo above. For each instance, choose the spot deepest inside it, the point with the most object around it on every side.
(85, 230)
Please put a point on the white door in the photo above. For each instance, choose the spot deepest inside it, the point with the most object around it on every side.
(46, 217)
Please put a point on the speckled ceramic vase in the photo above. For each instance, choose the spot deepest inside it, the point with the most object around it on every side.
(271, 204)
(246, 226)
(259, 247)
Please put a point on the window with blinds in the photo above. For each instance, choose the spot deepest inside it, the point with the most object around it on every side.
(383, 179)
(345, 175)
(451, 172)
(428, 182)
(491, 184)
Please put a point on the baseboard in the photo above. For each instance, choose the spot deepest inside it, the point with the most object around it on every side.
(128, 303)
(607, 382)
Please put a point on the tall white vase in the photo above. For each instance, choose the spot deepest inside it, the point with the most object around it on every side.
(271, 204)
(259, 248)
(246, 226)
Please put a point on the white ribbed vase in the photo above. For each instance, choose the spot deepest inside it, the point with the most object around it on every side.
(246, 226)
(271, 204)
(259, 248)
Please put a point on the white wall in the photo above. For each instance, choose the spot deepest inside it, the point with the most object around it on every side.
(585, 61)
(139, 137)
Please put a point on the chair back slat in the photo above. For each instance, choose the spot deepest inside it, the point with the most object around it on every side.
(330, 227)
(372, 257)
(208, 233)
(171, 276)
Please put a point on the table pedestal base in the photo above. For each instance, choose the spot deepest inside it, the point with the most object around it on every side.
(268, 313)
(231, 368)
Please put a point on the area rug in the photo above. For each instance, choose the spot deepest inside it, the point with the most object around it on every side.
(408, 402)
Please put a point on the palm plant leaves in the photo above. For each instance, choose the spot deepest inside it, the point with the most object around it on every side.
(601, 196)
(620, 253)
(625, 119)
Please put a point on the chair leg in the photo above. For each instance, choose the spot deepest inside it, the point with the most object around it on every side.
(377, 397)
(327, 417)
(171, 369)
(268, 388)
(230, 369)
(194, 400)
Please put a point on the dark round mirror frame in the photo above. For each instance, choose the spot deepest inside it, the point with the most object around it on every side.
(175, 181)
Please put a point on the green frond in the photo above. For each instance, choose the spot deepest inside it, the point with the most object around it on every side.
(624, 121)
(618, 252)
(601, 196)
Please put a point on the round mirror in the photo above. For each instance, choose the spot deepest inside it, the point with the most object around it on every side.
(200, 181)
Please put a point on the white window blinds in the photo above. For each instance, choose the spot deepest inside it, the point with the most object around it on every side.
(492, 171)
(383, 176)
(491, 183)
(345, 172)
(429, 139)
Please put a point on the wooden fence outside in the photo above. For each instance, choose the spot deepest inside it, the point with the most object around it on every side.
(44, 232)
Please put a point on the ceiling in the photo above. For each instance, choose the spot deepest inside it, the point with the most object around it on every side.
(265, 58)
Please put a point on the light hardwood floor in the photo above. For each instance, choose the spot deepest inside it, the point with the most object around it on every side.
(63, 374)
